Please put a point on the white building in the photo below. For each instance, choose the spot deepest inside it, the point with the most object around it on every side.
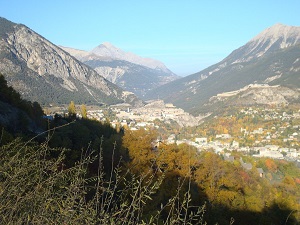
(223, 136)
(272, 147)
(269, 154)
(235, 144)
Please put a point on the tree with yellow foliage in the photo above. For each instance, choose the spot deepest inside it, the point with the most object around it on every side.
(72, 110)
(181, 159)
(140, 146)
(83, 111)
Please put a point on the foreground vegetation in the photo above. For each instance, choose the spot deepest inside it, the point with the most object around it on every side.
(179, 187)
(80, 171)
(35, 188)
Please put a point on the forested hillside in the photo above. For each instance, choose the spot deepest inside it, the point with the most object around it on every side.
(17, 116)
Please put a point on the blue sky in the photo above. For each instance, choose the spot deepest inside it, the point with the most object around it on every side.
(187, 36)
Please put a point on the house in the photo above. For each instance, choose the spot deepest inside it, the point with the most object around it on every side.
(229, 158)
(258, 131)
(169, 105)
(270, 154)
(246, 166)
(293, 153)
(141, 124)
(261, 172)
(235, 144)
(272, 147)
(243, 149)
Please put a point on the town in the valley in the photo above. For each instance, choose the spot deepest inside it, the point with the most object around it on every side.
(278, 141)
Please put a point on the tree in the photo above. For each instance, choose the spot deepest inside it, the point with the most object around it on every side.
(140, 149)
(271, 165)
(72, 110)
(83, 111)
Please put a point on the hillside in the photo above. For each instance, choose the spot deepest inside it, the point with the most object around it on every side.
(43, 72)
(17, 116)
(253, 95)
(272, 57)
(129, 71)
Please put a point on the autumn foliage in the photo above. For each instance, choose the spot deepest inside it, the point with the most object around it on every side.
(214, 180)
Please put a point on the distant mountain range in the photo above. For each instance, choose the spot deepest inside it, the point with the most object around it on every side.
(129, 71)
(43, 72)
(272, 57)
(265, 67)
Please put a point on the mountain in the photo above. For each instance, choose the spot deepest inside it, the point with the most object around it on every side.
(129, 71)
(272, 57)
(108, 50)
(43, 72)
(254, 94)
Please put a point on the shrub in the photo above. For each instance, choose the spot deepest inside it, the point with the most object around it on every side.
(36, 188)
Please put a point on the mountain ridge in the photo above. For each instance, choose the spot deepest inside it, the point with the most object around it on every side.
(108, 50)
(132, 74)
(42, 71)
(254, 62)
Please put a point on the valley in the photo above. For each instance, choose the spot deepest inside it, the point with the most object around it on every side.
(252, 131)
(121, 137)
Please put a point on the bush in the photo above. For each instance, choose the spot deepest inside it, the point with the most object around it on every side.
(37, 189)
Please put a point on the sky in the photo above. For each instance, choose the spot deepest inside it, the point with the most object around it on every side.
(187, 36)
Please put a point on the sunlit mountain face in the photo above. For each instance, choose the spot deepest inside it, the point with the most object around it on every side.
(272, 57)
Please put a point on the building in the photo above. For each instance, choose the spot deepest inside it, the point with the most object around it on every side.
(223, 136)
(202, 140)
(235, 144)
(269, 154)
(261, 172)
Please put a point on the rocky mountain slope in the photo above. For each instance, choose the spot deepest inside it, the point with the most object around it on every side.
(129, 71)
(272, 57)
(253, 95)
(43, 72)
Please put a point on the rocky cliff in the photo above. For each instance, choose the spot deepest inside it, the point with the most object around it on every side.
(41, 71)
